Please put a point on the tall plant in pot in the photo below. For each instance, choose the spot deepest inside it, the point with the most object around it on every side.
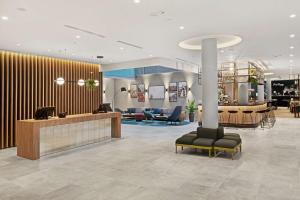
(191, 108)
(90, 84)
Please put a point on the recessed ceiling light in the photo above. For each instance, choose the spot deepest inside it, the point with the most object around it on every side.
(291, 55)
(22, 9)
(4, 18)
(121, 48)
(293, 15)
(136, 1)
(181, 27)
(291, 61)
(268, 73)
(150, 55)
(77, 36)
(292, 35)
(292, 47)
(18, 44)
(222, 51)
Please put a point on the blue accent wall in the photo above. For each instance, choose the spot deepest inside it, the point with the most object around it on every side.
(134, 72)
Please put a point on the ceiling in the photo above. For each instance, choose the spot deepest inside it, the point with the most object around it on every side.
(38, 27)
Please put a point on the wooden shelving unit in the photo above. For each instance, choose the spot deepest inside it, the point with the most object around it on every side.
(231, 74)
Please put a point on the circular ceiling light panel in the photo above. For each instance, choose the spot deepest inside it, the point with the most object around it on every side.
(223, 41)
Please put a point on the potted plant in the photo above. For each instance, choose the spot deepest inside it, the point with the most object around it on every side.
(253, 80)
(90, 84)
(191, 108)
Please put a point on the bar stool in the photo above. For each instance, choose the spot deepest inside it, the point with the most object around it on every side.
(247, 113)
(234, 116)
(200, 118)
(220, 112)
(262, 116)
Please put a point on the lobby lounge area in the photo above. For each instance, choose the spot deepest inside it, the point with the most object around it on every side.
(149, 100)
(145, 166)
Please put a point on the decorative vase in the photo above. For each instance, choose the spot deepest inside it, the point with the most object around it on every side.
(192, 117)
(62, 115)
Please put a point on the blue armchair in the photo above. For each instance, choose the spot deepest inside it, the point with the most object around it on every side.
(174, 117)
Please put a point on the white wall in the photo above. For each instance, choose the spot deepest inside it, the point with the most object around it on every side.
(124, 101)
(109, 88)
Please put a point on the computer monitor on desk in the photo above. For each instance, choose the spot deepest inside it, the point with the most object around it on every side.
(44, 112)
(104, 108)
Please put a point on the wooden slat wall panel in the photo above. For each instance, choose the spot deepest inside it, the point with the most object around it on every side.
(27, 82)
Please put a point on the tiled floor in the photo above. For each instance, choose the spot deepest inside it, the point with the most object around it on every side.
(143, 166)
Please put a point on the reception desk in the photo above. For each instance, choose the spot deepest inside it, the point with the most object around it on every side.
(239, 119)
(41, 137)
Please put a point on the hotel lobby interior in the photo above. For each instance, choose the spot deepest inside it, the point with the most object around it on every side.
(149, 99)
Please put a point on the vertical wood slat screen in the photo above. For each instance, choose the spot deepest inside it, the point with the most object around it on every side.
(27, 82)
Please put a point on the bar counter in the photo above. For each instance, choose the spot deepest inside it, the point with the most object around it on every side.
(239, 119)
(42, 137)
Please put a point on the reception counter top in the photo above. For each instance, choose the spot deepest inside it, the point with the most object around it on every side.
(36, 137)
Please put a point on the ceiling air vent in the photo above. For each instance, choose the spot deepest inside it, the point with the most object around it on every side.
(129, 44)
(157, 13)
(84, 31)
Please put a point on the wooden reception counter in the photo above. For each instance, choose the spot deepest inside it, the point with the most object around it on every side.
(41, 137)
(240, 118)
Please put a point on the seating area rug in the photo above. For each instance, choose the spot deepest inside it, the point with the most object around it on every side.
(154, 123)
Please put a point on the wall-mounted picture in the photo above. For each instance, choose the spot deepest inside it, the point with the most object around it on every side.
(156, 92)
(172, 96)
(141, 92)
(172, 92)
(182, 89)
(133, 91)
(172, 87)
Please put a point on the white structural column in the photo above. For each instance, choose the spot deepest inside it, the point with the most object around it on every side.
(243, 94)
(210, 83)
(269, 89)
(261, 93)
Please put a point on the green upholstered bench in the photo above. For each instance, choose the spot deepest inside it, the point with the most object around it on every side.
(203, 138)
(228, 146)
(227, 142)
(186, 140)
(213, 140)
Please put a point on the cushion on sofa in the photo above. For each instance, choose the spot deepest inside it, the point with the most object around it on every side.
(206, 142)
(232, 134)
(139, 110)
(207, 133)
(131, 110)
(220, 132)
(192, 133)
(237, 139)
(226, 143)
(186, 139)
(156, 111)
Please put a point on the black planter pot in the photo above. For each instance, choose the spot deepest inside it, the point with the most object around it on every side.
(192, 117)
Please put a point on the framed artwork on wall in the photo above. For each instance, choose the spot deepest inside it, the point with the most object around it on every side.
(156, 92)
(172, 92)
(141, 92)
(133, 91)
(172, 87)
(182, 89)
(172, 96)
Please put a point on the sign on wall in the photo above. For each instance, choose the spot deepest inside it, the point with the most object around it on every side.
(156, 92)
